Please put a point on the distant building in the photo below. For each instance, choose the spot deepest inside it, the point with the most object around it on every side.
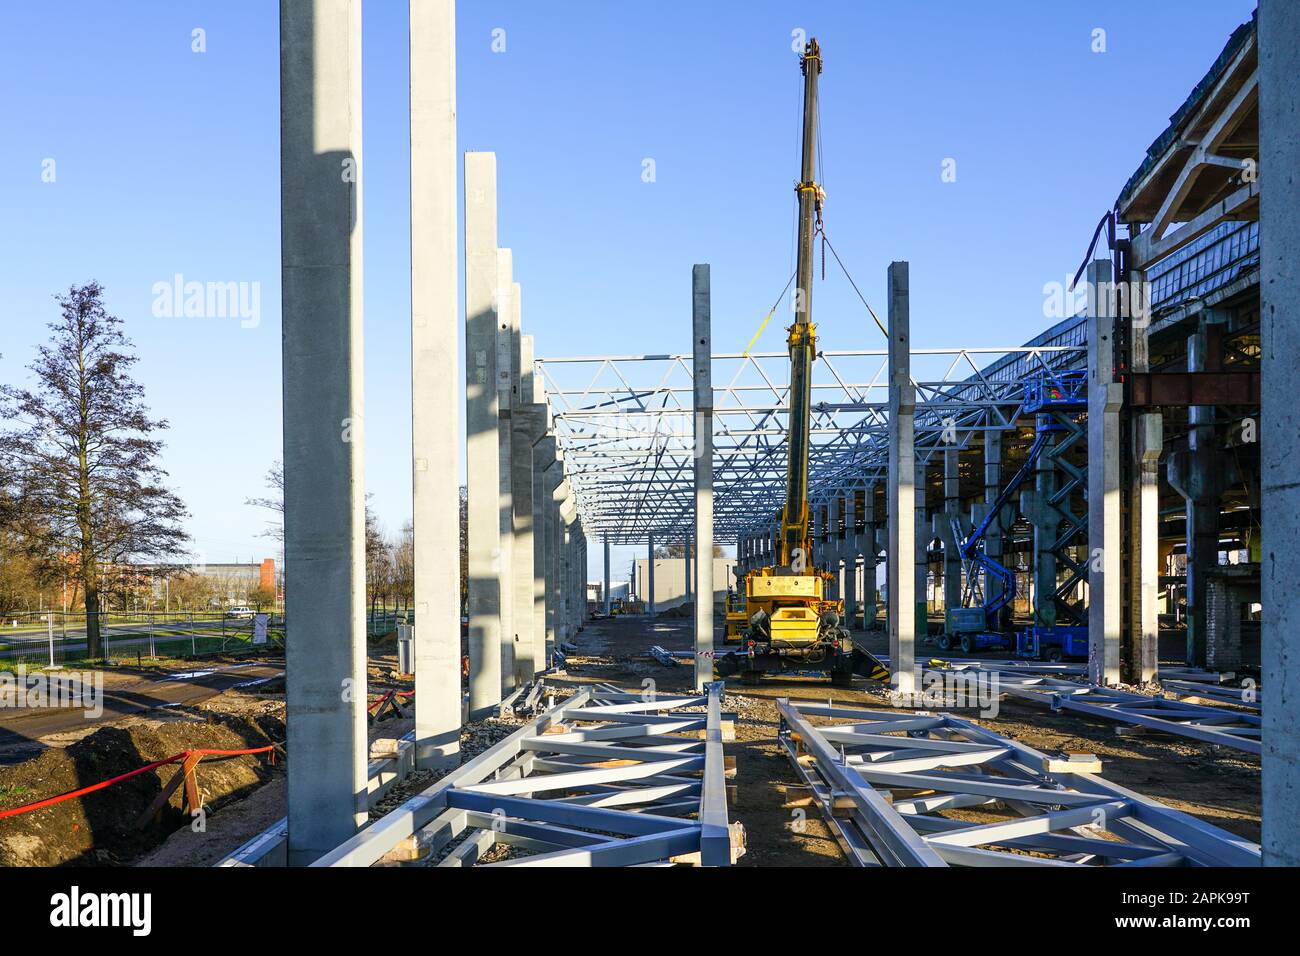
(670, 580)
(230, 583)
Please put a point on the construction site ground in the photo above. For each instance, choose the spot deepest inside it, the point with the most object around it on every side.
(244, 795)
(1217, 785)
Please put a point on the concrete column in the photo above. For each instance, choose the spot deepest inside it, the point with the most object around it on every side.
(1105, 399)
(605, 592)
(902, 488)
(435, 397)
(702, 346)
(992, 488)
(871, 555)
(924, 534)
(686, 567)
(481, 432)
(650, 577)
(521, 474)
(850, 553)
(568, 569)
(507, 377)
(556, 568)
(1139, 661)
(952, 514)
(553, 485)
(1279, 243)
(859, 584)
(543, 455)
(1046, 520)
(1202, 481)
(324, 478)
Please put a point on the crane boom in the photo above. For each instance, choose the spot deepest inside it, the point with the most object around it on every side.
(802, 339)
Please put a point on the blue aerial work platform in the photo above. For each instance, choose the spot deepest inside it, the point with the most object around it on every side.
(1050, 396)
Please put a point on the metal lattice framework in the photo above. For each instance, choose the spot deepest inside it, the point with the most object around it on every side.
(625, 426)
(604, 778)
(885, 782)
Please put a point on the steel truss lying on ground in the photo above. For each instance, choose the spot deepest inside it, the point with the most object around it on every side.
(602, 779)
(1214, 725)
(883, 780)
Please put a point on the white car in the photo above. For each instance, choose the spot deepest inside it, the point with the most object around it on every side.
(240, 610)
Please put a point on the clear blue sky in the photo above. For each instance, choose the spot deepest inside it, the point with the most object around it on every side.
(167, 162)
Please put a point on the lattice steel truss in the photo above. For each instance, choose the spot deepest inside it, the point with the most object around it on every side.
(885, 782)
(625, 426)
(604, 778)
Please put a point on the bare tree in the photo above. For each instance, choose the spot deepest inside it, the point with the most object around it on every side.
(403, 549)
(274, 481)
(379, 562)
(85, 464)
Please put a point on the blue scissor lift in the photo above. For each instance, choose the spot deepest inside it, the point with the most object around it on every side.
(1056, 399)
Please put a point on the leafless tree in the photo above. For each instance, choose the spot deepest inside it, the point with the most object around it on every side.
(275, 503)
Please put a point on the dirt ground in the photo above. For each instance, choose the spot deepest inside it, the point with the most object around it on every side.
(100, 828)
(1218, 785)
(244, 795)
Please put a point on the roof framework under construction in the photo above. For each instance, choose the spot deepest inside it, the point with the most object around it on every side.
(626, 427)
(1111, 460)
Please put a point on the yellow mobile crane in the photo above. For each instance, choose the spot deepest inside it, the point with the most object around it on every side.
(792, 623)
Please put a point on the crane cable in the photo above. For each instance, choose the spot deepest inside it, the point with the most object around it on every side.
(826, 244)
(770, 312)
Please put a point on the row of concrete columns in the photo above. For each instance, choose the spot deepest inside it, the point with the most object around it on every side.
(527, 551)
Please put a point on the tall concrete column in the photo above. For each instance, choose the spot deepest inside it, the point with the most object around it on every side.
(859, 590)
(992, 488)
(1202, 487)
(568, 569)
(555, 608)
(435, 396)
(1140, 657)
(521, 472)
(605, 592)
(850, 561)
(1279, 244)
(902, 487)
(871, 555)
(324, 478)
(1046, 520)
(702, 348)
(507, 391)
(686, 567)
(543, 456)
(924, 534)
(1105, 399)
(952, 515)
(482, 432)
(650, 577)
(553, 485)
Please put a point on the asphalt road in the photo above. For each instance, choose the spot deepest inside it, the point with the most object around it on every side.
(125, 693)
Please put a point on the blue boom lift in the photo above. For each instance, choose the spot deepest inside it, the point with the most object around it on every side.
(1053, 397)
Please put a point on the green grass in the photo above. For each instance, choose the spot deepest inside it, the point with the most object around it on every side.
(13, 791)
